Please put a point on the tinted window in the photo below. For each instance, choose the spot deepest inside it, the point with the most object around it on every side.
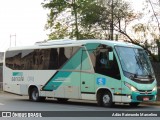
(13, 59)
(39, 59)
(27, 59)
(53, 59)
(71, 55)
(102, 64)
(64, 55)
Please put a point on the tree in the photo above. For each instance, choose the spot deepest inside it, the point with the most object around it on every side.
(60, 32)
(120, 14)
(99, 16)
(82, 19)
(116, 12)
(71, 7)
(91, 16)
(154, 10)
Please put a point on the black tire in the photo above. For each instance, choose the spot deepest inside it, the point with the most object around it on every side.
(42, 99)
(62, 100)
(34, 95)
(105, 99)
(134, 104)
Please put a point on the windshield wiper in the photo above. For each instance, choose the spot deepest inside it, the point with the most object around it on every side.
(151, 76)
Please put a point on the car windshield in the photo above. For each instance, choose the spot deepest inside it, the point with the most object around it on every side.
(134, 61)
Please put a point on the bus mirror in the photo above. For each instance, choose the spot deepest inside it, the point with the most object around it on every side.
(110, 55)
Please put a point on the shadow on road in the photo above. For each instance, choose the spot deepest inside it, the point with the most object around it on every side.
(86, 103)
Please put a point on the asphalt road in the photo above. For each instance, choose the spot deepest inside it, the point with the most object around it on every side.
(11, 102)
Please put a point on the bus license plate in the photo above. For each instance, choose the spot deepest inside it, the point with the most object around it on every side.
(145, 99)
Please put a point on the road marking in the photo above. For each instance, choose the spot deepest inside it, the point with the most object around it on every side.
(1, 104)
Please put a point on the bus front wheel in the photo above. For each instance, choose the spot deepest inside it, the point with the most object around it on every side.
(105, 99)
(134, 104)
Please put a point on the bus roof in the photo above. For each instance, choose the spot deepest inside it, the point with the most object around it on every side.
(69, 43)
(109, 43)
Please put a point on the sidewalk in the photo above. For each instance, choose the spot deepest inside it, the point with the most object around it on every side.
(152, 103)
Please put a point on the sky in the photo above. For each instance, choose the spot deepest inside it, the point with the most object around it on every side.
(26, 19)
(136, 4)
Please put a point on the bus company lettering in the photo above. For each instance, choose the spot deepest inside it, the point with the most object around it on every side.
(17, 76)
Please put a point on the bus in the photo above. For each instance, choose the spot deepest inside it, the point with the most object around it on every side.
(107, 72)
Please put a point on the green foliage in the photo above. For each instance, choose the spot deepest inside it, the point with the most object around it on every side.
(76, 7)
(100, 15)
(88, 17)
(55, 7)
(59, 33)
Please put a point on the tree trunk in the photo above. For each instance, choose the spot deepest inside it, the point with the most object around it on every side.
(76, 18)
(111, 25)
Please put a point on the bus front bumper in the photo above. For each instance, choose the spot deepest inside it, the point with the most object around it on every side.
(143, 97)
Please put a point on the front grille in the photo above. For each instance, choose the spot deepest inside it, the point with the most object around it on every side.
(147, 81)
(145, 91)
(141, 97)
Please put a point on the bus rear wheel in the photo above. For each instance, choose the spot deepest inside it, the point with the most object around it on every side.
(105, 99)
(34, 95)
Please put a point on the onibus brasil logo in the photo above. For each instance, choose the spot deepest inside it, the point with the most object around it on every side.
(17, 76)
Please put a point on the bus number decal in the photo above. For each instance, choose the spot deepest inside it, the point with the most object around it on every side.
(30, 78)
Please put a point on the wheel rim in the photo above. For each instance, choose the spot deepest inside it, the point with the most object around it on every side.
(106, 99)
(34, 95)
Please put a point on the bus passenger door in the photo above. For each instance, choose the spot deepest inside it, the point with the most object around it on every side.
(87, 77)
(107, 73)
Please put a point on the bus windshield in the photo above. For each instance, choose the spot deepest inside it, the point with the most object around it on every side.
(135, 61)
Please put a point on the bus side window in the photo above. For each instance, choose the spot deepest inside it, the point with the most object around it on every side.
(62, 56)
(53, 61)
(13, 59)
(104, 65)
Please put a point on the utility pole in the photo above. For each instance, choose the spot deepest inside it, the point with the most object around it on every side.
(11, 39)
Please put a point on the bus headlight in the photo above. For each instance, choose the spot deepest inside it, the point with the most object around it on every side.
(155, 88)
(130, 87)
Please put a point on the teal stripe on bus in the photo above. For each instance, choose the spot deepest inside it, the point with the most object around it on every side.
(73, 64)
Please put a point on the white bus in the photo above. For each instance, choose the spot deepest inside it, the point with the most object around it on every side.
(100, 70)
